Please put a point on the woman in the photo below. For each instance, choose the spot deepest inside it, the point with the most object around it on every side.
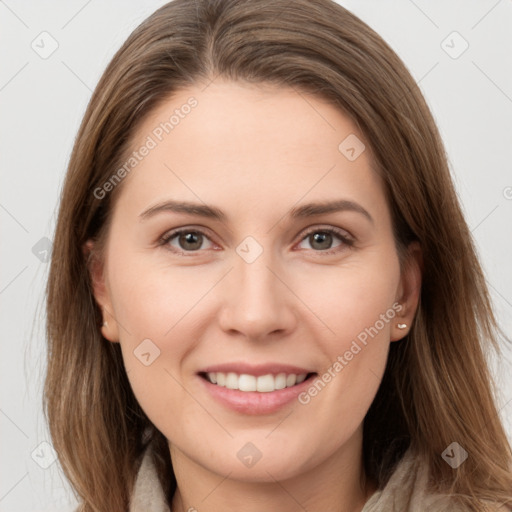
(255, 369)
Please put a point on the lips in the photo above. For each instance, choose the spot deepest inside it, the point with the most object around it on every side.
(255, 389)
(263, 378)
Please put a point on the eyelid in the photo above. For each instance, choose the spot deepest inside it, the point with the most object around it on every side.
(347, 239)
(345, 236)
(168, 235)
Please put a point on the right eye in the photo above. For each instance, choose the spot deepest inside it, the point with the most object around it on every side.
(187, 240)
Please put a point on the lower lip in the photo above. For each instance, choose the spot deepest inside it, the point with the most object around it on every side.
(255, 402)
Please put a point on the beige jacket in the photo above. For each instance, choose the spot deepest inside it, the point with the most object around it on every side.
(404, 491)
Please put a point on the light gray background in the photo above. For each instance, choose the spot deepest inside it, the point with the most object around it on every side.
(43, 100)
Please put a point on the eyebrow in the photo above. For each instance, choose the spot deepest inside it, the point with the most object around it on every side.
(299, 212)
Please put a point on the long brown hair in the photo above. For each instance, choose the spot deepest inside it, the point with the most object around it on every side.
(437, 388)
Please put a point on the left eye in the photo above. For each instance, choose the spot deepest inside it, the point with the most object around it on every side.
(325, 236)
(192, 240)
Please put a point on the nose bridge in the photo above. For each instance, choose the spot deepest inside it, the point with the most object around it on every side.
(257, 302)
(257, 281)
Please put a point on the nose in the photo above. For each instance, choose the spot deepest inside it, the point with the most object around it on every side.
(258, 302)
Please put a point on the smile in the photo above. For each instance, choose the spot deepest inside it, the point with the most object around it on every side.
(249, 394)
(262, 383)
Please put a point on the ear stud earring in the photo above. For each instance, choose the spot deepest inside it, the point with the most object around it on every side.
(105, 323)
(402, 326)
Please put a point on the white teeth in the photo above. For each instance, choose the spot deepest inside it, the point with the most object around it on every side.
(247, 383)
(263, 383)
(232, 381)
(301, 378)
(290, 380)
(280, 381)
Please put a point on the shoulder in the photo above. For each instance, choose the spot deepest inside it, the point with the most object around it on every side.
(406, 491)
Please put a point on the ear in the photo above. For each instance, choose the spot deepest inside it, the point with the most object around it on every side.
(409, 290)
(101, 291)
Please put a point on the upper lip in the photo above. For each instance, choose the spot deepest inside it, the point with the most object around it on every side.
(256, 370)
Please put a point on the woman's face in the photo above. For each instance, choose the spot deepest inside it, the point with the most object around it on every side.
(256, 284)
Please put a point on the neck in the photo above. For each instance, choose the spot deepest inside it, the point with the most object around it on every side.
(338, 484)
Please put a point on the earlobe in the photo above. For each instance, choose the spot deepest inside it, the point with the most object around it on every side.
(109, 327)
(409, 291)
(100, 291)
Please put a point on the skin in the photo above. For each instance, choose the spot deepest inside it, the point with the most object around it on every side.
(255, 152)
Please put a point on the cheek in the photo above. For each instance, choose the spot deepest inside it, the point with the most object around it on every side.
(151, 300)
(351, 297)
(162, 311)
(339, 398)
(359, 309)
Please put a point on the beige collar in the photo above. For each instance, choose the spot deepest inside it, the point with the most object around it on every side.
(148, 495)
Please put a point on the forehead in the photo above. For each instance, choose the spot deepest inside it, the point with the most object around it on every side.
(248, 145)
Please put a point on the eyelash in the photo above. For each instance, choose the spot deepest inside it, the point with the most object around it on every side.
(341, 234)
